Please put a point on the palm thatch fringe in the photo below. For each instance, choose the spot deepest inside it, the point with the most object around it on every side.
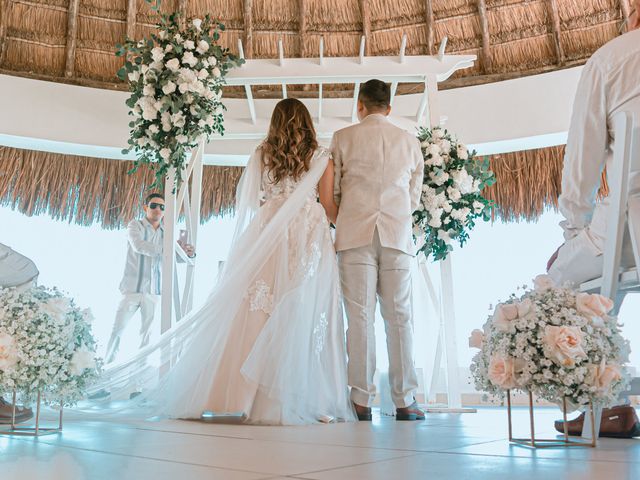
(87, 190)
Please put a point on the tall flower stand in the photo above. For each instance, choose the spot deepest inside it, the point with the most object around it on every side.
(36, 430)
(533, 442)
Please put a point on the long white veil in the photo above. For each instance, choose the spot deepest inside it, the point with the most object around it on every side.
(170, 373)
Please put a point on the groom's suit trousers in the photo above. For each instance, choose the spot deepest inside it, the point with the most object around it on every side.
(367, 274)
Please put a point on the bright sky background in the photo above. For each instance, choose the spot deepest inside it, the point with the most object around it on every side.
(87, 262)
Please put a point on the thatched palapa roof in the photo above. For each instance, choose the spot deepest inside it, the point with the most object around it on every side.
(74, 41)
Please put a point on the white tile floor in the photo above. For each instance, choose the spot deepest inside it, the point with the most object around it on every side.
(441, 447)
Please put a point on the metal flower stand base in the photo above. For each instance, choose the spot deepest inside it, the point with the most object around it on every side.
(34, 431)
(534, 442)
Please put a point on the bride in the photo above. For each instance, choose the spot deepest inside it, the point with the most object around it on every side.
(268, 343)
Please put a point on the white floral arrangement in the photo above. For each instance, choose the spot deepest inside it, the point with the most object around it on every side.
(175, 78)
(554, 342)
(46, 346)
(452, 198)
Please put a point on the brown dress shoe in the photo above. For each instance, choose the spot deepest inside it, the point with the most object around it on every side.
(617, 422)
(6, 408)
(412, 412)
(364, 413)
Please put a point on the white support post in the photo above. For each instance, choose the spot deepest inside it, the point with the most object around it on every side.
(443, 47)
(168, 252)
(247, 88)
(192, 212)
(281, 61)
(363, 40)
(320, 60)
(354, 109)
(448, 318)
(394, 84)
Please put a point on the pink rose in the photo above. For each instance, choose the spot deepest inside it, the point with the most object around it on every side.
(543, 283)
(476, 340)
(503, 316)
(504, 371)
(603, 375)
(564, 344)
(593, 305)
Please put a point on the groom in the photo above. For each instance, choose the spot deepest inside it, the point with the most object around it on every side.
(378, 183)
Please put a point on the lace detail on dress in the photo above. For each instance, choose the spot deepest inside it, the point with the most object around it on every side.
(260, 297)
(311, 261)
(320, 333)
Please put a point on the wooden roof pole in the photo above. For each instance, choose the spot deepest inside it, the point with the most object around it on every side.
(132, 10)
(431, 27)
(72, 34)
(366, 24)
(248, 28)
(182, 10)
(302, 27)
(486, 40)
(556, 29)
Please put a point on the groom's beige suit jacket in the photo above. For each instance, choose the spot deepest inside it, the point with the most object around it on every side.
(378, 183)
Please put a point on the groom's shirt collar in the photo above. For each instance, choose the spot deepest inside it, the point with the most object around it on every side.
(375, 117)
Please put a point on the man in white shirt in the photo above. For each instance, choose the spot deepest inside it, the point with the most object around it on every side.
(378, 183)
(610, 83)
(16, 271)
(141, 282)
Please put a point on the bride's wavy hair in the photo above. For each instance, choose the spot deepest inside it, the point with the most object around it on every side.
(290, 142)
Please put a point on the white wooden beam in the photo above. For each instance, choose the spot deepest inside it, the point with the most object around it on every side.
(320, 61)
(363, 41)
(403, 47)
(321, 57)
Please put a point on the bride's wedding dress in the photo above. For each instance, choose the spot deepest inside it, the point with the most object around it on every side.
(269, 340)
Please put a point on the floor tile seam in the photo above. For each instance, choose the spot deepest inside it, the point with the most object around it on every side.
(312, 472)
(592, 460)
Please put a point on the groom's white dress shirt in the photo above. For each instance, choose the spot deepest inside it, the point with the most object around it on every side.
(610, 83)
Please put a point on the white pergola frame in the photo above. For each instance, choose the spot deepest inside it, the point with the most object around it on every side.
(321, 70)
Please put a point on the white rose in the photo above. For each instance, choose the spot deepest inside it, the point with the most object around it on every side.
(462, 152)
(202, 74)
(203, 46)
(216, 72)
(189, 45)
(213, 61)
(425, 144)
(434, 149)
(173, 64)
(142, 141)
(189, 59)
(437, 133)
(157, 53)
(454, 194)
(134, 76)
(182, 138)
(208, 94)
(168, 48)
(169, 88)
(446, 206)
(163, 35)
(197, 23)
(478, 207)
(193, 110)
(445, 145)
(157, 66)
(166, 121)
(165, 153)
(436, 215)
(149, 90)
(436, 160)
(178, 119)
(178, 37)
(202, 123)
(219, 110)
(81, 360)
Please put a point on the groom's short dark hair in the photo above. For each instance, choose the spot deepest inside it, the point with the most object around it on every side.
(375, 94)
